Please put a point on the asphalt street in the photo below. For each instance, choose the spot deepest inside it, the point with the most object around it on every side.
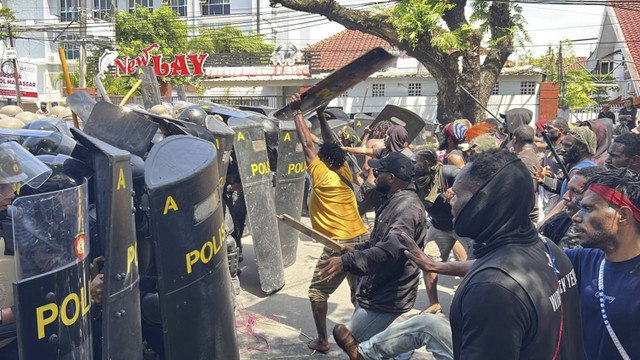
(280, 325)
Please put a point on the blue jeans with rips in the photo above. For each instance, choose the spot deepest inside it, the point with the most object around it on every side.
(365, 323)
(428, 330)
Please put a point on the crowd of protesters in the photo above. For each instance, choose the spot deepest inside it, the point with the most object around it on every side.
(542, 218)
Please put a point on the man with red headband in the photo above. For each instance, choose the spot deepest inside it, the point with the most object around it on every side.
(608, 268)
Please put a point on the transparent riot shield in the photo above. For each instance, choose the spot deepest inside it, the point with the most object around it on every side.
(52, 292)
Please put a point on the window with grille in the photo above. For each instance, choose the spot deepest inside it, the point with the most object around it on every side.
(345, 94)
(101, 9)
(527, 87)
(377, 90)
(142, 3)
(496, 89)
(70, 45)
(415, 89)
(216, 7)
(179, 6)
(69, 10)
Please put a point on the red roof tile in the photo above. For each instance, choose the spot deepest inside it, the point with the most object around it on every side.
(628, 20)
(342, 48)
(578, 63)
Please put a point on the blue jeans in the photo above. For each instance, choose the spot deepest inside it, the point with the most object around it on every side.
(428, 330)
(365, 323)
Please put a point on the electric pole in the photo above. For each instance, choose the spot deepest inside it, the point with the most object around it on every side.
(561, 76)
(82, 74)
(16, 74)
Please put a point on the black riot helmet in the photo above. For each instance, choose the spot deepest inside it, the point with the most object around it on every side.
(66, 172)
(41, 125)
(194, 114)
(55, 143)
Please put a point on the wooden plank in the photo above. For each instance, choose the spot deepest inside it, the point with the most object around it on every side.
(315, 235)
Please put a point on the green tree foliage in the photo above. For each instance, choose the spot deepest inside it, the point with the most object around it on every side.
(7, 16)
(138, 30)
(228, 40)
(580, 88)
(444, 37)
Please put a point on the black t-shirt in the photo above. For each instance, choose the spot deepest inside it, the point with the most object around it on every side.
(512, 306)
(633, 112)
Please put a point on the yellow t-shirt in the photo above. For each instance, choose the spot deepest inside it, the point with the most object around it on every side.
(333, 207)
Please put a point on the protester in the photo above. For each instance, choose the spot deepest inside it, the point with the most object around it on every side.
(627, 115)
(433, 179)
(559, 227)
(555, 129)
(607, 113)
(42, 111)
(523, 146)
(624, 152)
(607, 269)
(578, 147)
(603, 128)
(513, 119)
(517, 301)
(388, 285)
(451, 136)
(333, 212)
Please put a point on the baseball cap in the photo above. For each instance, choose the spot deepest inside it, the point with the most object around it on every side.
(395, 163)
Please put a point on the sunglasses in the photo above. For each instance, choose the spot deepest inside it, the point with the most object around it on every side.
(377, 172)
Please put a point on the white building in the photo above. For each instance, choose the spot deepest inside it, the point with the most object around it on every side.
(617, 53)
(47, 25)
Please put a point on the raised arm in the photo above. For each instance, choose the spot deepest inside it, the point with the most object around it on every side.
(325, 130)
(301, 128)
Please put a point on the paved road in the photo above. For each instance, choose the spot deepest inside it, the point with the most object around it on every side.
(280, 325)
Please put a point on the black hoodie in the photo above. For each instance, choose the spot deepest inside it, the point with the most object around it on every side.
(511, 304)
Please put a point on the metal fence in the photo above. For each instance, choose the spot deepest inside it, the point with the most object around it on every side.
(271, 101)
(589, 113)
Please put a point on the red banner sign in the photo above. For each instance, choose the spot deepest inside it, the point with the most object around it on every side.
(181, 65)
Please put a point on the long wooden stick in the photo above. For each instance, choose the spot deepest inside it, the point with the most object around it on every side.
(135, 88)
(67, 80)
(314, 234)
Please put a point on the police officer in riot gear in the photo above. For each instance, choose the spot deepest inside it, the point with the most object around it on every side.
(194, 114)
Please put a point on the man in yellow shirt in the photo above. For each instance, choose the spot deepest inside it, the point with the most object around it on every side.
(333, 212)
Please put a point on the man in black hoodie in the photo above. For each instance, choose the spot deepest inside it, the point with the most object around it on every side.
(519, 299)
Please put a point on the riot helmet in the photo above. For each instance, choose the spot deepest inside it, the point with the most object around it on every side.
(11, 123)
(66, 172)
(11, 110)
(55, 143)
(159, 110)
(41, 124)
(18, 167)
(194, 114)
(27, 117)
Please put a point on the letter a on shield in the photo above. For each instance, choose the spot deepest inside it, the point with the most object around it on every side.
(170, 204)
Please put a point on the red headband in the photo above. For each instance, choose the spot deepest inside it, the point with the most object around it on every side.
(615, 197)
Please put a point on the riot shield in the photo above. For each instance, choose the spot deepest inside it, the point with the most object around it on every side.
(340, 81)
(126, 130)
(253, 165)
(289, 187)
(81, 103)
(52, 294)
(403, 117)
(113, 186)
(223, 136)
(187, 226)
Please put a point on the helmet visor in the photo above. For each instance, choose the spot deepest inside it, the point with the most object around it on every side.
(19, 167)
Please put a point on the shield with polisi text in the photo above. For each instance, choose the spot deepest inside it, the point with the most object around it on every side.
(289, 187)
(255, 174)
(187, 227)
(223, 139)
(113, 187)
(52, 292)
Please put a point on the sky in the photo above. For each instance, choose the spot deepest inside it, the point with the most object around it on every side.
(547, 24)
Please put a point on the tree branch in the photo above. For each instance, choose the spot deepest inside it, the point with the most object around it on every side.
(455, 18)
(365, 21)
(501, 26)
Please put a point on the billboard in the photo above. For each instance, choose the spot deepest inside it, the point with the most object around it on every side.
(28, 82)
